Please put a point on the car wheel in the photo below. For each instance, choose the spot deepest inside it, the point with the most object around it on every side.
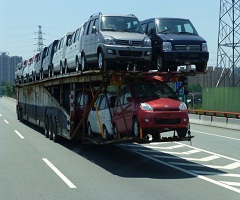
(105, 133)
(84, 64)
(182, 132)
(61, 68)
(49, 72)
(101, 61)
(136, 127)
(65, 68)
(90, 133)
(77, 65)
(115, 131)
(201, 67)
(159, 63)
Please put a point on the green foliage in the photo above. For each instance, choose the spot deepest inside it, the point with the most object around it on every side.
(193, 88)
(8, 89)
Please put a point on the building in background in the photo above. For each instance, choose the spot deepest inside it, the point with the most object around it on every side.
(7, 67)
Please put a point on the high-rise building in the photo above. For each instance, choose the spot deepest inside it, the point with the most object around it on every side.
(7, 67)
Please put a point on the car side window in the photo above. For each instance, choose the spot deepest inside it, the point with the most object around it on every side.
(96, 24)
(90, 27)
(149, 28)
(144, 26)
(103, 103)
(77, 35)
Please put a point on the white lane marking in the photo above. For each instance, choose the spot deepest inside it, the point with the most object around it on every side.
(183, 153)
(230, 166)
(191, 173)
(0, 115)
(231, 183)
(205, 159)
(170, 147)
(202, 150)
(216, 135)
(19, 134)
(64, 178)
(216, 173)
(6, 121)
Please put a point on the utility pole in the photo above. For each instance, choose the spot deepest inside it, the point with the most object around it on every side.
(228, 53)
(40, 39)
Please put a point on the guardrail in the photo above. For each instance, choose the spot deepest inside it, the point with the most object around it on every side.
(230, 120)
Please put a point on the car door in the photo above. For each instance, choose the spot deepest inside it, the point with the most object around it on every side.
(87, 40)
(94, 118)
(94, 36)
(123, 111)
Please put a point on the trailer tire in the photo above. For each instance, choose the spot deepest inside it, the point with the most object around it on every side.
(50, 122)
(55, 132)
(46, 127)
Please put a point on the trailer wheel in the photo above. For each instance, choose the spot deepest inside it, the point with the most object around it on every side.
(182, 132)
(136, 127)
(55, 132)
(77, 65)
(50, 122)
(46, 127)
(90, 133)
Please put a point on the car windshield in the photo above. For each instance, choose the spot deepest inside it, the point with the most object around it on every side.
(153, 90)
(176, 26)
(120, 23)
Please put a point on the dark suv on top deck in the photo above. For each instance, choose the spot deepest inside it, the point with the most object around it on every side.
(175, 42)
(115, 41)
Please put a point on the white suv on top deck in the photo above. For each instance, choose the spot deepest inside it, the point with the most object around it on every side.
(73, 51)
(59, 53)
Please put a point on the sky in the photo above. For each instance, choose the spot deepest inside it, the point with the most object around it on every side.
(19, 19)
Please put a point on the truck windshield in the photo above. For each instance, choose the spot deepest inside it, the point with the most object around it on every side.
(153, 91)
(176, 26)
(120, 23)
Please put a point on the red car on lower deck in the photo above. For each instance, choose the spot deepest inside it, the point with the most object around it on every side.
(151, 106)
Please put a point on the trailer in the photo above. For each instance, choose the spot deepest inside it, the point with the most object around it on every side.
(50, 103)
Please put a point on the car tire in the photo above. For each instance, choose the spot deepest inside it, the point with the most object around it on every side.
(182, 132)
(84, 63)
(101, 61)
(55, 135)
(201, 67)
(89, 130)
(50, 128)
(77, 65)
(159, 63)
(136, 128)
(105, 133)
(115, 132)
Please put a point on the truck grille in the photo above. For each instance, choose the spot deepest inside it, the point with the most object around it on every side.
(187, 47)
(129, 43)
(130, 53)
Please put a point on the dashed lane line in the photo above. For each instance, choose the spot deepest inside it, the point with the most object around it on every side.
(6, 121)
(64, 178)
(19, 134)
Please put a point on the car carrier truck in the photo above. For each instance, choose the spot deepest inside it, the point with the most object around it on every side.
(50, 103)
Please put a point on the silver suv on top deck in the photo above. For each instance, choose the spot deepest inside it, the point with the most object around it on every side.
(115, 42)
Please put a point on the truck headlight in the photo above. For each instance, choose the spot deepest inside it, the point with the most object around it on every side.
(167, 46)
(109, 40)
(182, 106)
(145, 106)
(204, 47)
(147, 42)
